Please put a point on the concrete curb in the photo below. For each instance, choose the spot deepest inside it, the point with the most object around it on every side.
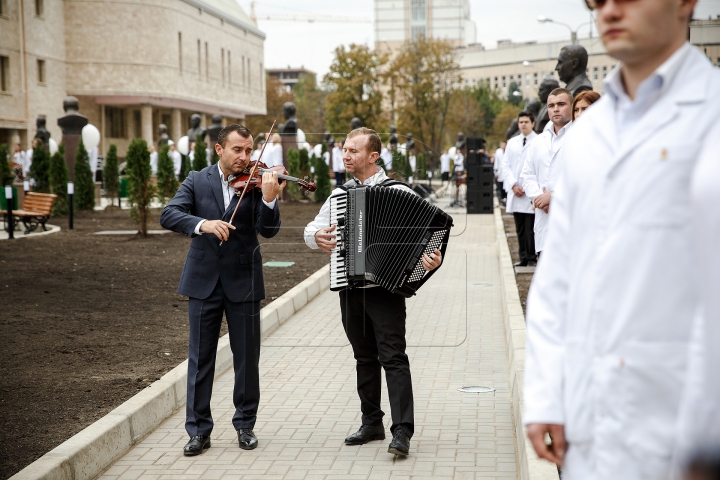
(88, 453)
(530, 467)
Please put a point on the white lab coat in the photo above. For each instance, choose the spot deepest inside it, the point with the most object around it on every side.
(458, 161)
(611, 303)
(444, 163)
(28, 163)
(177, 161)
(412, 160)
(699, 424)
(326, 157)
(497, 165)
(273, 155)
(153, 162)
(386, 158)
(512, 164)
(540, 171)
(337, 162)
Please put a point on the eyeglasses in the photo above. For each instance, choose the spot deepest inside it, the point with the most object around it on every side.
(597, 4)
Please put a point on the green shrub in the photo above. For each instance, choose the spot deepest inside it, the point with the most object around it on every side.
(140, 188)
(111, 174)
(167, 184)
(84, 197)
(322, 180)
(6, 176)
(200, 160)
(40, 168)
(59, 179)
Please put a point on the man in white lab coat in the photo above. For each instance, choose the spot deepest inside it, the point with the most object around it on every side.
(519, 204)
(612, 302)
(540, 170)
(338, 165)
(497, 169)
(176, 158)
(445, 166)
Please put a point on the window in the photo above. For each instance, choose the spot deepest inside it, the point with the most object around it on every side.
(242, 64)
(199, 60)
(527, 79)
(137, 124)
(39, 7)
(3, 9)
(496, 82)
(229, 70)
(604, 72)
(222, 64)
(4, 74)
(207, 63)
(595, 73)
(262, 72)
(417, 9)
(180, 52)
(41, 71)
(248, 73)
(535, 79)
(504, 84)
(417, 31)
(114, 122)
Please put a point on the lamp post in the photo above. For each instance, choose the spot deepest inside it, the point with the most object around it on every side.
(573, 33)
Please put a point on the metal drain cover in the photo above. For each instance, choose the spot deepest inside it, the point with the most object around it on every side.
(476, 389)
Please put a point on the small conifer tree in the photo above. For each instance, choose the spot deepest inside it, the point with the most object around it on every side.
(84, 197)
(322, 182)
(40, 168)
(200, 160)
(140, 188)
(59, 179)
(214, 158)
(167, 184)
(185, 167)
(111, 174)
(6, 176)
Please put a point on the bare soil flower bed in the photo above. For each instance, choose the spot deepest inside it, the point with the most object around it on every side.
(87, 321)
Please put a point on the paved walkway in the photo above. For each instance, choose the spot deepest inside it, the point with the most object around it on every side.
(309, 403)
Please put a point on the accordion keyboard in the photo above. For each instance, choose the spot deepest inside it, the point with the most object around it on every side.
(338, 268)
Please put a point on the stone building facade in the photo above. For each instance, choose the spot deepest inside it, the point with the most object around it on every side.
(132, 65)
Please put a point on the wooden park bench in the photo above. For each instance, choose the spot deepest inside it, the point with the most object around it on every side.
(35, 211)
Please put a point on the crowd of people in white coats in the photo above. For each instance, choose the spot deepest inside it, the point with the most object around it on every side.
(617, 199)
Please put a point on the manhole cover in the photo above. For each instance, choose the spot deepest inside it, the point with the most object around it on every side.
(476, 389)
(279, 264)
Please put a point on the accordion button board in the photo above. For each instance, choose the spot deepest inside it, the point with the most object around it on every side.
(382, 234)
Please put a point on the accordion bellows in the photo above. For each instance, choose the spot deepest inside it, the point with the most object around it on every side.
(382, 233)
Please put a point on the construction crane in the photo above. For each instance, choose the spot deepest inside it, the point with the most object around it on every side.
(311, 18)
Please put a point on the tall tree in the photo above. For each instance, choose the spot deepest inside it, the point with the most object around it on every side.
(111, 174)
(84, 197)
(58, 181)
(354, 86)
(424, 74)
(309, 99)
(167, 184)
(40, 168)
(275, 97)
(140, 188)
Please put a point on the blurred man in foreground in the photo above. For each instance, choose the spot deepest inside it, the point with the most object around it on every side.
(611, 305)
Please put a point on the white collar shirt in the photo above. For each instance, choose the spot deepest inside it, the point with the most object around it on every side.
(629, 112)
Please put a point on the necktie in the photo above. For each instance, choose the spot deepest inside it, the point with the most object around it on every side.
(524, 140)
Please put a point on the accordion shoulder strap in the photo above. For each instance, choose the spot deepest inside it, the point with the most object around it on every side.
(388, 182)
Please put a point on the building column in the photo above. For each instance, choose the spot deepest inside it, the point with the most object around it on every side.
(146, 120)
(176, 125)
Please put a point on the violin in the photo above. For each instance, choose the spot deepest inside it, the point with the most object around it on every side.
(251, 177)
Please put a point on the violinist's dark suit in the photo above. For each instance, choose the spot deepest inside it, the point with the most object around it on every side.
(221, 278)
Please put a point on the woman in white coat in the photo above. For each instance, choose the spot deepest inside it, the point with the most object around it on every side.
(611, 305)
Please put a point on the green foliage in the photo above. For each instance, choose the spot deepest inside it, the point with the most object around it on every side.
(513, 87)
(292, 188)
(401, 166)
(214, 157)
(140, 188)
(59, 179)
(322, 180)
(167, 184)
(185, 167)
(200, 160)
(354, 85)
(421, 167)
(6, 176)
(84, 197)
(111, 174)
(40, 168)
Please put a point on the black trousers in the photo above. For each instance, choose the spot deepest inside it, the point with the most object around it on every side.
(243, 320)
(374, 321)
(525, 227)
(339, 178)
(502, 194)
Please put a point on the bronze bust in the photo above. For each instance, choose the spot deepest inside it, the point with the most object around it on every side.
(196, 129)
(290, 126)
(546, 86)
(355, 123)
(393, 141)
(162, 135)
(571, 67)
(214, 130)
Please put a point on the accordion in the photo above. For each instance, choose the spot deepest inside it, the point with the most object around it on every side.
(382, 234)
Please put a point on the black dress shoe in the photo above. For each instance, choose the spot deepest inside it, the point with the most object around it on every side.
(400, 444)
(367, 433)
(247, 439)
(197, 445)
(520, 264)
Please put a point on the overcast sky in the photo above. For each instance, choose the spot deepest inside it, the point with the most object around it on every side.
(311, 44)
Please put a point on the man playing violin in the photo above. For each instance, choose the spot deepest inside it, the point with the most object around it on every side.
(223, 274)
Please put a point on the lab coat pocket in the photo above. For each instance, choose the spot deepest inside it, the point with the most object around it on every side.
(661, 178)
(577, 391)
(655, 371)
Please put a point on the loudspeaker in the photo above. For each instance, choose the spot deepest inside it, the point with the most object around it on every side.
(479, 202)
(480, 182)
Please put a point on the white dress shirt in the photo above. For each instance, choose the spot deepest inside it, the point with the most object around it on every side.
(177, 161)
(444, 163)
(228, 192)
(459, 162)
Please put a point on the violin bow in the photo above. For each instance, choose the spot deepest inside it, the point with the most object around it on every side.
(252, 172)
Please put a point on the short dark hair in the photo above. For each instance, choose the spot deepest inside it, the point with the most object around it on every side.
(242, 130)
(373, 145)
(526, 113)
(560, 91)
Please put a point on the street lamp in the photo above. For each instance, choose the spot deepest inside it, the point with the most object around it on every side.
(573, 33)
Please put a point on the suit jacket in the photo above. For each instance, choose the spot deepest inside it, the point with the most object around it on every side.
(237, 262)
